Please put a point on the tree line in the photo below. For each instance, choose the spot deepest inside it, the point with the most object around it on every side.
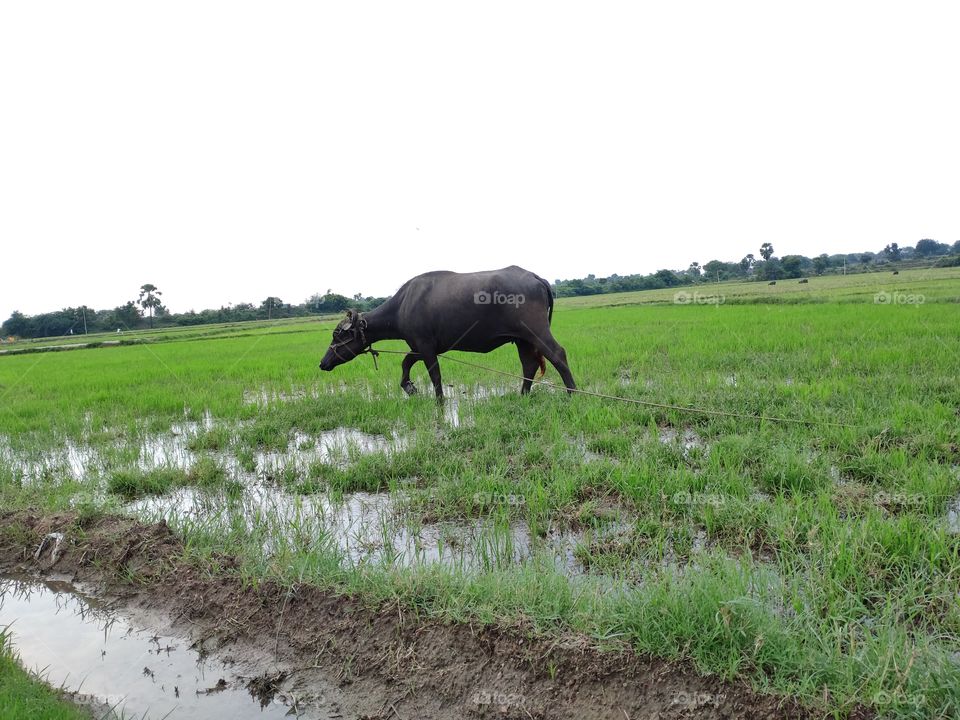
(765, 265)
(148, 310)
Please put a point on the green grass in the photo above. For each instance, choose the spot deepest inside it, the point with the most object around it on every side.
(827, 570)
(24, 696)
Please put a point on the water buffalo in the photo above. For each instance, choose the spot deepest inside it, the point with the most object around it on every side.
(474, 312)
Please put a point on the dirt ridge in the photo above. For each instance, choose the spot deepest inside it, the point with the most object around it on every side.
(388, 662)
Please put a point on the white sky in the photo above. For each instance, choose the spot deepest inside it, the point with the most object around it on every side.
(226, 151)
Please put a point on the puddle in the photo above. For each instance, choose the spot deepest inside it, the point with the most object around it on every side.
(172, 449)
(687, 438)
(373, 529)
(458, 401)
(953, 517)
(265, 396)
(627, 377)
(335, 447)
(364, 528)
(587, 455)
(79, 461)
(71, 459)
(75, 643)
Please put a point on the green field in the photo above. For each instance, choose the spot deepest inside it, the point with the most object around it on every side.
(816, 558)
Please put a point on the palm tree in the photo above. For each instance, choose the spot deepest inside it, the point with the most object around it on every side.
(766, 251)
(149, 299)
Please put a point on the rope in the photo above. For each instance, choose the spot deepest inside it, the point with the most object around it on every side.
(634, 401)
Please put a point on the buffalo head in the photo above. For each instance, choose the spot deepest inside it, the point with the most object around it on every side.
(348, 341)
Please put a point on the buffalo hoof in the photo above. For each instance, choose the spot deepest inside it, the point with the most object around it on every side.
(409, 388)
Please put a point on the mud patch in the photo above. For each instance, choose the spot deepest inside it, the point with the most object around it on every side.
(388, 661)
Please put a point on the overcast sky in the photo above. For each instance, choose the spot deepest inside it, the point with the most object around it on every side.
(226, 151)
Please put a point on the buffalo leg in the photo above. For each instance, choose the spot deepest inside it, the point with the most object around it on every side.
(530, 363)
(433, 367)
(554, 352)
(409, 360)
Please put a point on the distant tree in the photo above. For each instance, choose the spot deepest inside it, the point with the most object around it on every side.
(86, 316)
(149, 299)
(270, 304)
(791, 265)
(956, 247)
(821, 263)
(329, 302)
(770, 270)
(766, 251)
(866, 258)
(747, 263)
(694, 270)
(892, 251)
(717, 269)
(928, 248)
(17, 324)
(667, 277)
(125, 316)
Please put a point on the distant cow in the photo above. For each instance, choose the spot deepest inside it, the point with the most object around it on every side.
(475, 312)
(804, 281)
(772, 282)
(896, 272)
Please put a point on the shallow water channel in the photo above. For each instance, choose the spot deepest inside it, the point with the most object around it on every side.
(73, 642)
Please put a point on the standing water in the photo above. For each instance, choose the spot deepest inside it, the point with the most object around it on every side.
(76, 644)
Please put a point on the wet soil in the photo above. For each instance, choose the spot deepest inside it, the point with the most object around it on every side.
(370, 662)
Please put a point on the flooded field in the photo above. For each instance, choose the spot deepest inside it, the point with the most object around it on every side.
(175, 449)
(374, 529)
(362, 528)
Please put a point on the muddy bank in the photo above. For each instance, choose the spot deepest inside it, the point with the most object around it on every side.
(368, 662)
